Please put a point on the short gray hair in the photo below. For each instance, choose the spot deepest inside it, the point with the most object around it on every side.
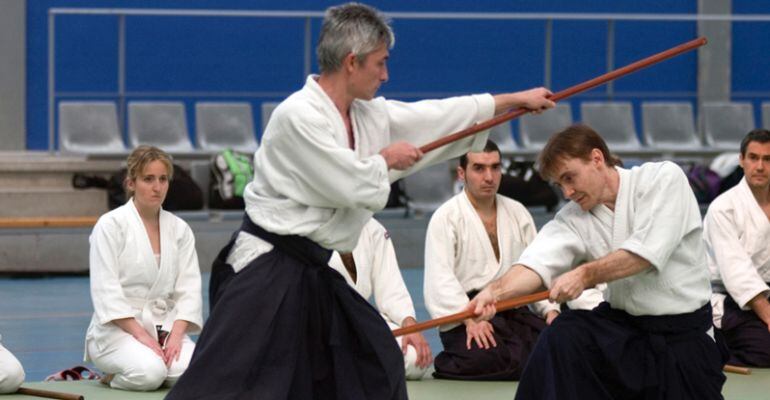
(351, 28)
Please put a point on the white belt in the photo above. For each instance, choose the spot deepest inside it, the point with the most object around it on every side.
(154, 312)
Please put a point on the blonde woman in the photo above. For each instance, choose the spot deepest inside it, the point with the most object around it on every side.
(145, 283)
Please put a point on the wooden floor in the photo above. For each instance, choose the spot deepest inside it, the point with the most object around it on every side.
(738, 387)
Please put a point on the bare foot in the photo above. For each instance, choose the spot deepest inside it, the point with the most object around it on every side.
(106, 379)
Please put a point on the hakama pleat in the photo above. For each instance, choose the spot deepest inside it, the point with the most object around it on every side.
(287, 326)
(746, 336)
(609, 354)
(515, 332)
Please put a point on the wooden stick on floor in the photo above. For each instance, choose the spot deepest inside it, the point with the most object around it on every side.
(48, 222)
(737, 370)
(48, 394)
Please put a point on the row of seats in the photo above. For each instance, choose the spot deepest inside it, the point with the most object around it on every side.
(666, 126)
(91, 127)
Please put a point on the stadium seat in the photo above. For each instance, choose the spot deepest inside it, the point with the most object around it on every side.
(220, 126)
(726, 123)
(89, 127)
(614, 121)
(267, 110)
(503, 137)
(669, 126)
(161, 124)
(535, 129)
(427, 189)
(766, 115)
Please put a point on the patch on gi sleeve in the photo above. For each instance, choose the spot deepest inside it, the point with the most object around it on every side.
(387, 235)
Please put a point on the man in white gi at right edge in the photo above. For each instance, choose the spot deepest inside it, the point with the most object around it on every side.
(638, 230)
(737, 234)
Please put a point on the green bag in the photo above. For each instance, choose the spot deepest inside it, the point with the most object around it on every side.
(232, 172)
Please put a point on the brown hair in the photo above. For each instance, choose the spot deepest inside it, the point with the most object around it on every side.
(577, 141)
(140, 158)
(489, 147)
(757, 135)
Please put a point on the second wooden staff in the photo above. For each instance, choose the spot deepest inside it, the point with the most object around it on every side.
(507, 305)
(449, 319)
(49, 394)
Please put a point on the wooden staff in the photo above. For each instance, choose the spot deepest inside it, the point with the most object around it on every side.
(48, 222)
(600, 80)
(48, 394)
(507, 305)
(501, 306)
(737, 370)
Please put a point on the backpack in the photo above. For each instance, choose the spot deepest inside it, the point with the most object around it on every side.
(521, 182)
(732, 179)
(704, 182)
(230, 172)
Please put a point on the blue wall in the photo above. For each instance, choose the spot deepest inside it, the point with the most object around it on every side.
(440, 57)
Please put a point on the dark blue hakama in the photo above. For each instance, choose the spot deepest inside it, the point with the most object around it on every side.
(287, 326)
(515, 333)
(746, 336)
(609, 354)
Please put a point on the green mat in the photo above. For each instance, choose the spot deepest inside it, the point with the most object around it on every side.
(738, 387)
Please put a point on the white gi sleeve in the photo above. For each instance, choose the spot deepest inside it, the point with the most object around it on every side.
(555, 250)
(187, 289)
(529, 232)
(736, 268)
(106, 240)
(589, 299)
(543, 307)
(425, 121)
(444, 295)
(664, 216)
(390, 293)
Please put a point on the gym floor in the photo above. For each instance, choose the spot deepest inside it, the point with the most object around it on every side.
(43, 322)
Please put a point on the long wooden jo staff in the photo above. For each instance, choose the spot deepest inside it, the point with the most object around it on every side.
(600, 80)
(449, 319)
(48, 394)
(507, 305)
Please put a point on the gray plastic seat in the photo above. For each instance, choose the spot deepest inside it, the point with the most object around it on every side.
(220, 126)
(267, 111)
(669, 126)
(614, 121)
(161, 124)
(766, 115)
(726, 123)
(428, 188)
(503, 137)
(536, 129)
(89, 127)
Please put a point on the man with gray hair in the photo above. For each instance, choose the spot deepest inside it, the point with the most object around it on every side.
(283, 324)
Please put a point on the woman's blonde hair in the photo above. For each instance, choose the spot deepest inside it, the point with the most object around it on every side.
(139, 159)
